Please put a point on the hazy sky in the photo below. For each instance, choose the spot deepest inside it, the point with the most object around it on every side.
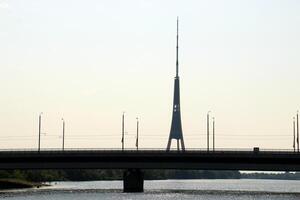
(88, 61)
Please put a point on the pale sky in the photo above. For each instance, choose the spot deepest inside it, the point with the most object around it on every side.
(88, 61)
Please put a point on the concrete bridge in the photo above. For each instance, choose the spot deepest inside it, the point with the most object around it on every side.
(133, 161)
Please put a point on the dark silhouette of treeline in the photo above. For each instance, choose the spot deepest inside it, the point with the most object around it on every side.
(280, 176)
(87, 175)
(18, 184)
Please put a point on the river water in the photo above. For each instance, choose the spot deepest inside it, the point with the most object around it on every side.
(244, 189)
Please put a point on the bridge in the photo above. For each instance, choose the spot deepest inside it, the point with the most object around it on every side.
(133, 161)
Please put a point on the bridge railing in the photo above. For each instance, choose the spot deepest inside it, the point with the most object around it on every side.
(149, 150)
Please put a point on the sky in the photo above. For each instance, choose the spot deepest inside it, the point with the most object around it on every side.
(89, 61)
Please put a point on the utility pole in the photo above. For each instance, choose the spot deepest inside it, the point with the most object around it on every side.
(40, 127)
(213, 134)
(63, 132)
(123, 131)
(137, 134)
(207, 129)
(298, 131)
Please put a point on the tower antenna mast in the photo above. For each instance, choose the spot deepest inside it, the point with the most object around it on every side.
(177, 64)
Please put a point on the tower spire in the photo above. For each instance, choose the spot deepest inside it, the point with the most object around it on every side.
(177, 65)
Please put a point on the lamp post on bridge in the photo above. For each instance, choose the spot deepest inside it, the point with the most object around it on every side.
(213, 134)
(294, 135)
(40, 127)
(298, 131)
(63, 133)
(137, 134)
(207, 129)
(122, 141)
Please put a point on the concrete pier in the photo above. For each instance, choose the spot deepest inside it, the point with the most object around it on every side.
(133, 180)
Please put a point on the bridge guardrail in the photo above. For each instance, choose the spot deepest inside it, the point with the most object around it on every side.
(148, 150)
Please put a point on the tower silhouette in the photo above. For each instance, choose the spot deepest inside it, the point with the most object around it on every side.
(176, 128)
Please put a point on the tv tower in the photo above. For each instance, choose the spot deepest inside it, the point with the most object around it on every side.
(176, 128)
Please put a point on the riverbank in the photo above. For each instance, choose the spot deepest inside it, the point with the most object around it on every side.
(18, 184)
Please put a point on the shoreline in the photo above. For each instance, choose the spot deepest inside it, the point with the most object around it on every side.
(12, 184)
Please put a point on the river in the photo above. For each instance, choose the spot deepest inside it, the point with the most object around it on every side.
(244, 189)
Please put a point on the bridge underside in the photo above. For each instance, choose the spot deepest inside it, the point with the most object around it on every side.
(202, 160)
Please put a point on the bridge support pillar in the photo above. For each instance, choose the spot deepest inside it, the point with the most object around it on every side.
(133, 180)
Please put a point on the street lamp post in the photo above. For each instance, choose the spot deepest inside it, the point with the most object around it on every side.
(207, 127)
(213, 134)
(40, 127)
(63, 132)
(123, 131)
(137, 134)
(298, 131)
(294, 135)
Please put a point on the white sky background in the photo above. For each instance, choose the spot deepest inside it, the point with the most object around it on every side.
(88, 61)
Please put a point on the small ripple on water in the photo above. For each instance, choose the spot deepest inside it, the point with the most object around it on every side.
(166, 194)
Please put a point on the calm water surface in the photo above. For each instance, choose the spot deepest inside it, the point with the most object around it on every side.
(165, 190)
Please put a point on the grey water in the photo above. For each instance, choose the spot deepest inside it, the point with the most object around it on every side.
(244, 189)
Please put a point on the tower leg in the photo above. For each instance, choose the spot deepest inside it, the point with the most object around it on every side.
(178, 148)
(169, 144)
(182, 144)
(133, 180)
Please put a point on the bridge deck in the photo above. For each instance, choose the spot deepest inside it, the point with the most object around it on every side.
(151, 159)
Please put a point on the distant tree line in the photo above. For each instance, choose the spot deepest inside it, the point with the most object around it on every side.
(280, 176)
(87, 175)
(100, 174)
